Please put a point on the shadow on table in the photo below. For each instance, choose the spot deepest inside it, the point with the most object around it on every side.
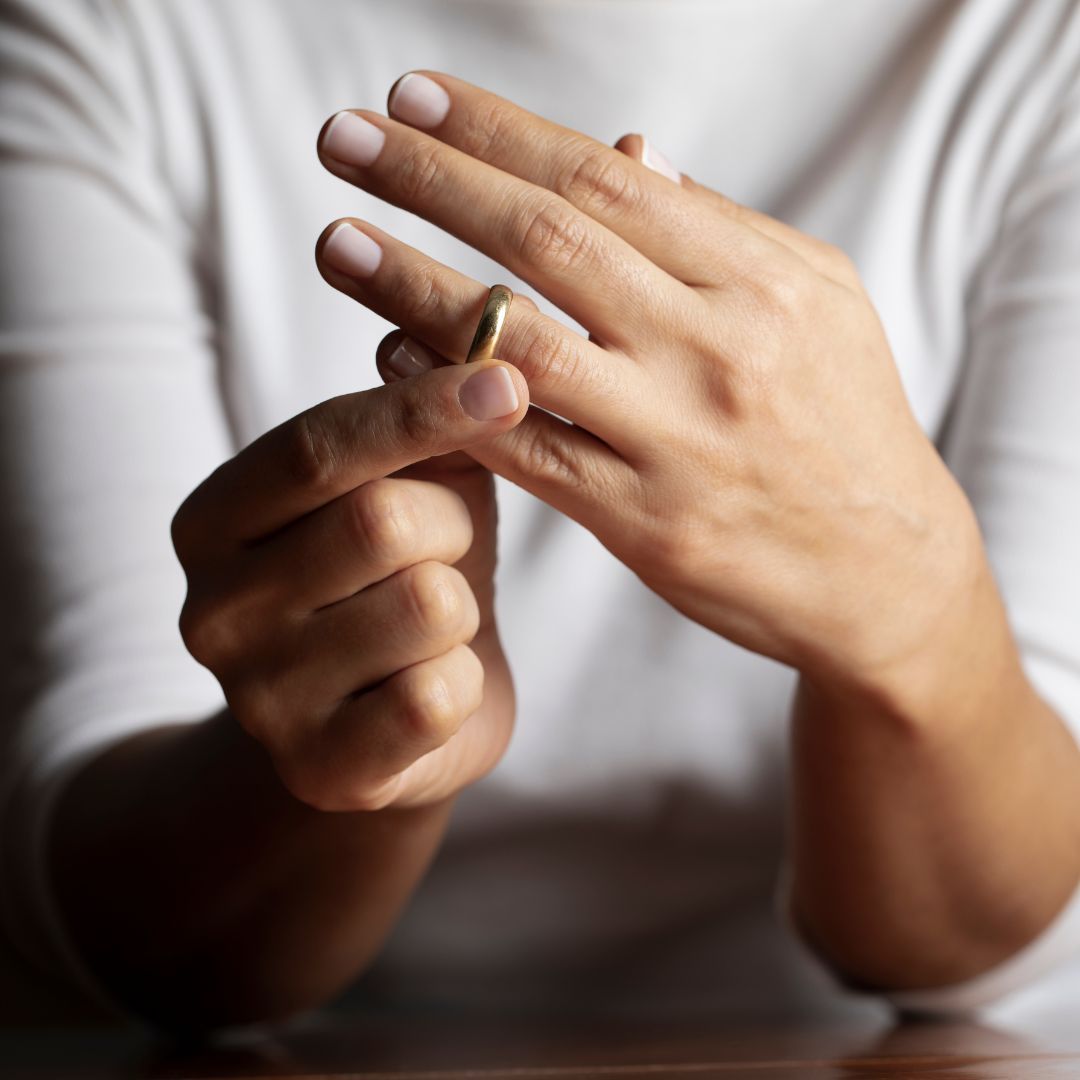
(575, 1048)
(954, 1050)
(451, 1043)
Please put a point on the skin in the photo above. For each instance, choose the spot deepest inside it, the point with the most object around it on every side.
(734, 429)
(340, 588)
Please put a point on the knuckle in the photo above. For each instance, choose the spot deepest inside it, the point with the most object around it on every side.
(773, 305)
(599, 181)
(427, 710)
(382, 521)
(317, 771)
(471, 681)
(197, 642)
(548, 459)
(420, 171)
(266, 706)
(434, 599)
(423, 302)
(784, 299)
(208, 633)
(547, 355)
(556, 238)
(256, 704)
(369, 798)
(416, 418)
(486, 128)
(310, 449)
(309, 785)
(182, 532)
(187, 530)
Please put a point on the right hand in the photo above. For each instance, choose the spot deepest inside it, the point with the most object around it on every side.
(340, 589)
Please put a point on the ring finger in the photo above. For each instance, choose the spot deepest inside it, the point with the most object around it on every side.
(567, 374)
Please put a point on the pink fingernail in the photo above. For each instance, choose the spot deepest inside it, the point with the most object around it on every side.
(351, 251)
(352, 139)
(489, 394)
(653, 159)
(419, 101)
(410, 358)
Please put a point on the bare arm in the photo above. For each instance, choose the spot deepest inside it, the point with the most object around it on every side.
(937, 815)
(936, 829)
(202, 892)
(248, 866)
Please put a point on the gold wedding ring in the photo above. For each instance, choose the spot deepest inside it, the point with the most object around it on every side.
(488, 331)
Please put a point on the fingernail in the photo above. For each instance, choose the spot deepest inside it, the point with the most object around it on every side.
(352, 139)
(351, 251)
(653, 159)
(419, 101)
(410, 358)
(489, 394)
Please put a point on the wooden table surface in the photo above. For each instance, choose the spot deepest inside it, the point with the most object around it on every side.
(444, 1045)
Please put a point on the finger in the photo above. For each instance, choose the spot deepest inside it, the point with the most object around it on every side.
(412, 357)
(357, 539)
(566, 373)
(642, 202)
(647, 207)
(321, 453)
(591, 273)
(348, 647)
(372, 738)
(563, 464)
(825, 258)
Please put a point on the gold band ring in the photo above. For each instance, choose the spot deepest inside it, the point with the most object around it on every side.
(488, 331)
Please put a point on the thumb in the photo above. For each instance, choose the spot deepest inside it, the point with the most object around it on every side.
(557, 461)
(348, 440)
(449, 407)
(473, 401)
(494, 403)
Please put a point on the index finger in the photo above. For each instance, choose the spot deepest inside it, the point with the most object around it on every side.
(344, 442)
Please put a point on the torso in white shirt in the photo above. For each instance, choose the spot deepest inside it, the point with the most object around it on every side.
(628, 844)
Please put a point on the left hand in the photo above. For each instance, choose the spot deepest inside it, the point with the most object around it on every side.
(738, 433)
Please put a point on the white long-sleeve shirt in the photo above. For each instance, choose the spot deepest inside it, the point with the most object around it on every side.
(159, 202)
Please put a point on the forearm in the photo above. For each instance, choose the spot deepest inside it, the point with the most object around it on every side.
(201, 892)
(934, 832)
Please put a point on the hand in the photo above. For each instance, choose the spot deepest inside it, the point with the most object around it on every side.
(738, 434)
(336, 578)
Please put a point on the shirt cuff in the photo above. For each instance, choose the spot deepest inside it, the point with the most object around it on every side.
(1057, 943)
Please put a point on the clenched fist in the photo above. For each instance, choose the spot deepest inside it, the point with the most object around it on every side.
(340, 589)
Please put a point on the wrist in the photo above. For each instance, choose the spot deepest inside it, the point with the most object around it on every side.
(938, 647)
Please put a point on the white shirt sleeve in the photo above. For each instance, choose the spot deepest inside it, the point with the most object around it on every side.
(110, 413)
(1013, 441)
